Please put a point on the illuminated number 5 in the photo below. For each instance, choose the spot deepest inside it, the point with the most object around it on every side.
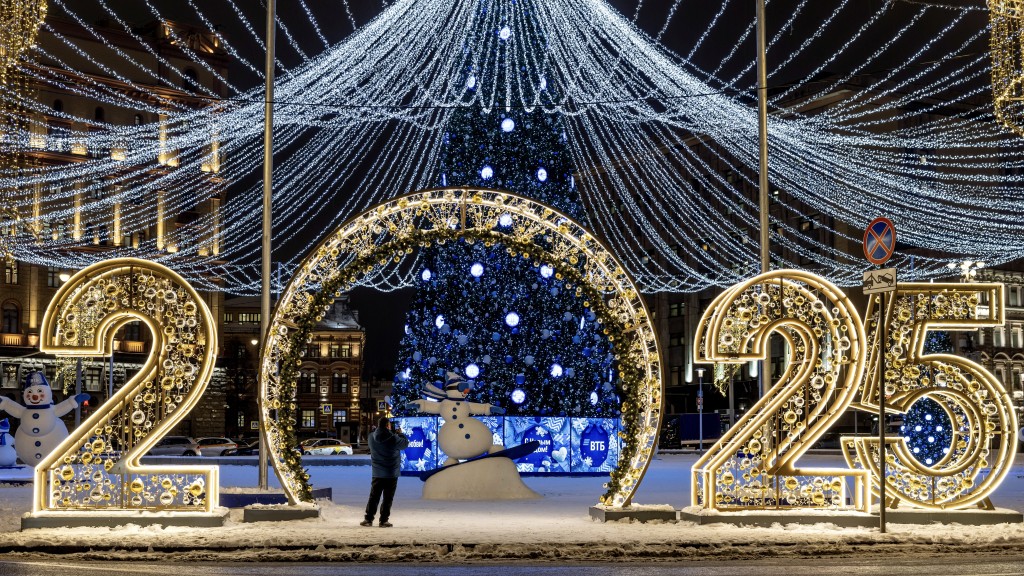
(976, 406)
(754, 464)
(97, 466)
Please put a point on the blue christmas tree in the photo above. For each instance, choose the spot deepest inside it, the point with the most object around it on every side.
(509, 324)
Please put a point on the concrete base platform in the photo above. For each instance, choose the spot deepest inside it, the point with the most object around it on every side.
(243, 499)
(279, 513)
(112, 518)
(767, 518)
(972, 517)
(665, 513)
(851, 518)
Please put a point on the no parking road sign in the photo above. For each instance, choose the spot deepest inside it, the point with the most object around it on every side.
(879, 241)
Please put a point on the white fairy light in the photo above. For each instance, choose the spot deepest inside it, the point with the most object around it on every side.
(680, 219)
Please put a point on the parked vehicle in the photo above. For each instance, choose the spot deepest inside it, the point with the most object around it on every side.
(325, 447)
(244, 450)
(216, 446)
(176, 446)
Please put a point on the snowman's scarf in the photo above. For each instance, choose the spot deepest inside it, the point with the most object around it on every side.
(40, 406)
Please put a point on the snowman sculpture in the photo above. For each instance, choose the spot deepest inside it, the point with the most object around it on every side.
(461, 437)
(41, 428)
(8, 457)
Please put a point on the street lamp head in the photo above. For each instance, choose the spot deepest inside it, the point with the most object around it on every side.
(254, 341)
(700, 372)
(64, 276)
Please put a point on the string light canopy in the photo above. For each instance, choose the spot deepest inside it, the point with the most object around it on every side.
(665, 150)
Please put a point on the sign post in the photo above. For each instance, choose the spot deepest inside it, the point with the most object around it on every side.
(879, 245)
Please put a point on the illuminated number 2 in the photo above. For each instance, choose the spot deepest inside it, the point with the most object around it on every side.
(97, 466)
(972, 403)
(754, 464)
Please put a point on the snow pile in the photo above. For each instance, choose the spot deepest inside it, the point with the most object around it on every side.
(556, 526)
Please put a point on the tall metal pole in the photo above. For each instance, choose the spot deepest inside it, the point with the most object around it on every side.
(268, 172)
(762, 177)
(883, 342)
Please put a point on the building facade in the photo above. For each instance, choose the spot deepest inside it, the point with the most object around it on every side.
(99, 222)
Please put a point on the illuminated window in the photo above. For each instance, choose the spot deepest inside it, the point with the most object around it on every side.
(340, 416)
(676, 309)
(11, 271)
(308, 418)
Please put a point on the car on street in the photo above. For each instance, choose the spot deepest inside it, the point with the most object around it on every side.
(216, 446)
(325, 447)
(176, 446)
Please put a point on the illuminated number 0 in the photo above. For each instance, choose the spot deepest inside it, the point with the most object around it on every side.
(97, 466)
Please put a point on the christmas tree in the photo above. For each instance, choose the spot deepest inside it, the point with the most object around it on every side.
(507, 323)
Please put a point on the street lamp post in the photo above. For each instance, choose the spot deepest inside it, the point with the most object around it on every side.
(700, 407)
(968, 268)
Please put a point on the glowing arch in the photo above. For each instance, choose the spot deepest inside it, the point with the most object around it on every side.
(389, 231)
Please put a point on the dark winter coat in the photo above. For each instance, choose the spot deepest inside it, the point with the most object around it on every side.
(386, 453)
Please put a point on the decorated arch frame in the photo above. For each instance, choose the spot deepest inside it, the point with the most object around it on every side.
(536, 232)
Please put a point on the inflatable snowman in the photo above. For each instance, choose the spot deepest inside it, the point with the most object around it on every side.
(8, 457)
(461, 437)
(41, 428)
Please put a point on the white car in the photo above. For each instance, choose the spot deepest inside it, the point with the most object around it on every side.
(216, 446)
(326, 447)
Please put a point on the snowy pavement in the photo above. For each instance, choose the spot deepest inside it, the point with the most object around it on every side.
(556, 527)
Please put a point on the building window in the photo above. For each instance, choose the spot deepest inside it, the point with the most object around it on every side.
(307, 382)
(52, 277)
(339, 382)
(100, 115)
(676, 339)
(92, 380)
(10, 376)
(229, 317)
(58, 105)
(346, 351)
(1015, 337)
(241, 420)
(191, 79)
(133, 331)
(676, 376)
(11, 318)
(249, 317)
(676, 309)
(308, 418)
(334, 350)
(997, 337)
(138, 119)
(313, 350)
(11, 271)
(340, 416)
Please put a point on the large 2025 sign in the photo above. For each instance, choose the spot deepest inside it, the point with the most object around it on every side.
(755, 464)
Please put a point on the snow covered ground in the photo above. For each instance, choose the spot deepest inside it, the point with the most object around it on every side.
(557, 526)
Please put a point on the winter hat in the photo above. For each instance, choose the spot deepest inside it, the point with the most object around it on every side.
(35, 379)
(453, 381)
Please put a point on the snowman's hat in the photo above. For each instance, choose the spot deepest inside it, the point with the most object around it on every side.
(35, 379)
(453, 381)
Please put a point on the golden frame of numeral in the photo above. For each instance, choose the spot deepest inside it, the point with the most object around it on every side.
(97, 467)
(753, 465)
(389, 231)
(979, 407)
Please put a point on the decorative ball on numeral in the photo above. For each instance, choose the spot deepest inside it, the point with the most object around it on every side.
(86, 457)
(67, 472)
(137, 486)
(792, 483)
(166, 498)
(138, 417)
(789, 416)
(754, 446)
(195, 489)
(166, 484)
(728, 479)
